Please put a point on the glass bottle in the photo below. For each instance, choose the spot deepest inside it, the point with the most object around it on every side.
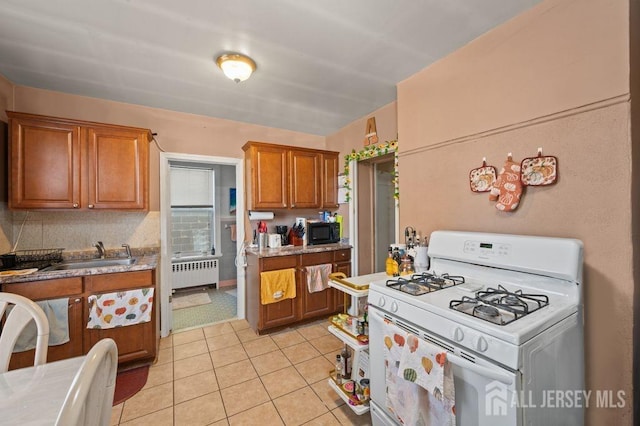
(406, 266)
(390, 264)
(338, 370)
(346, 363)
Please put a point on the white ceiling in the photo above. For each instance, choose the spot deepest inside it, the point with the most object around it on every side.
(321, 63)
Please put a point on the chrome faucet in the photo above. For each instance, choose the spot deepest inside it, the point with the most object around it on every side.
(127, 249)
(100, 247)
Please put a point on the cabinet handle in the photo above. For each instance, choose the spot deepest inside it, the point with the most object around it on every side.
(77, 301)
(90, 206)
(75, 205)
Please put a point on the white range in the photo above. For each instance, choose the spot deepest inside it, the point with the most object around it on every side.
(508, 311)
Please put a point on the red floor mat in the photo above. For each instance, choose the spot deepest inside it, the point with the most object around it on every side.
(129, 382)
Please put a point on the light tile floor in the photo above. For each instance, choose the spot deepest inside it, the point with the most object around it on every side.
(225, 374)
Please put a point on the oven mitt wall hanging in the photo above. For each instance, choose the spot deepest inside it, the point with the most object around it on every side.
(482, 178)
(539, 171)
(507, 189)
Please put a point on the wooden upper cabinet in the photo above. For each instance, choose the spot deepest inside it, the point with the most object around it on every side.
(305, 179)
(118, 168)
(58, 163)
(44, 159)
(330, 180)
(281, 177)
(267, 176)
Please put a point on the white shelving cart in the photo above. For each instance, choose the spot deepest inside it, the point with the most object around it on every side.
(344, 327)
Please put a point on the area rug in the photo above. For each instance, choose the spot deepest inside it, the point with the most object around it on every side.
(129, 383)
(188, 300)
(222, 307)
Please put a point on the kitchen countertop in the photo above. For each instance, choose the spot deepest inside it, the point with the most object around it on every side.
(293, 250)
(143, 263)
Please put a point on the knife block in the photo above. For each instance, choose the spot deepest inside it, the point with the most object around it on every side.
(295, 240)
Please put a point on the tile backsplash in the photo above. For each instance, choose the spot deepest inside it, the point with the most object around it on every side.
(80, 230)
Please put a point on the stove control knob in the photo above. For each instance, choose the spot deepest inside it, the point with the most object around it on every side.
(482, 344)
(381, 301)
(394, 307)
(458, 334)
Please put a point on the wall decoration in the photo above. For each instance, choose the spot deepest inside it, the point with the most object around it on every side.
(539, 170)
(371, 136)
(507, 189)
(481, 179)
(373, 151)
(232, 201)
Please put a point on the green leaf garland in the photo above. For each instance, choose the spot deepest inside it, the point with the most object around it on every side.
(373, 151)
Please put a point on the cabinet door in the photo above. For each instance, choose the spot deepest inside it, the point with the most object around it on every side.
(118, 162)
(44, 164)
(135, 342)
(304, 174)
(286, 311)
(70, 349)
(268, 177)
(318, 303)
(330, 180)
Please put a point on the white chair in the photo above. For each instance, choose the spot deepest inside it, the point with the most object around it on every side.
(22, 312)
(90, 397)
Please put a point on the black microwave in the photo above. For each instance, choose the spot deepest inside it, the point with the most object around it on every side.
(323, 233)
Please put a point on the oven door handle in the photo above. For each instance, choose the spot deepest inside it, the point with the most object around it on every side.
(479, 369)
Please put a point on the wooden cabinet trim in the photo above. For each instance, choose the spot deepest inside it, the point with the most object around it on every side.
(119, 281)
(49, 289)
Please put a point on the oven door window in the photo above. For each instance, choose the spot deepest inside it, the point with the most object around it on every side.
(483, 391)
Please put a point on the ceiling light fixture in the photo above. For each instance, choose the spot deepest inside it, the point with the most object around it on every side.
(236, 66)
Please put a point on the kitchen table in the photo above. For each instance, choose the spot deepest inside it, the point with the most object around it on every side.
(34, 395)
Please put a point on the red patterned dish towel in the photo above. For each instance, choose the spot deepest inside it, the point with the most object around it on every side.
(110, 310)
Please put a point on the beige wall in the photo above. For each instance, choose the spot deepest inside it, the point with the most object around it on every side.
(351, 137)
(6, 102)
(555, 77)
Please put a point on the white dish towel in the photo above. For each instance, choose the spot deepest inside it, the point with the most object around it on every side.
(318, 277)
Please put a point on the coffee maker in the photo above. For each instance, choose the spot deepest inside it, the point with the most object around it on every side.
(282, 230)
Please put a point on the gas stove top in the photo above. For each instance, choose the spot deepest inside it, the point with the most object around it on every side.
(426, 282)
(500, 306)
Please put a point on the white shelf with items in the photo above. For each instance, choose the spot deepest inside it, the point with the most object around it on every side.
(343, 326)
(358, 409)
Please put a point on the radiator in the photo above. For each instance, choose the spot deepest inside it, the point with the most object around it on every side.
(194, 273)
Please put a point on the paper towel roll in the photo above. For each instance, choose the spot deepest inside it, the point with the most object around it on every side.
(421, 260)
(260, 215)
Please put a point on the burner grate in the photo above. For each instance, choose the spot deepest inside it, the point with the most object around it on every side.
(500, 306)
(426, 282)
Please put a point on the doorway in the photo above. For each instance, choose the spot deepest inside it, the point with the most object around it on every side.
(209, 246)
(376, 216)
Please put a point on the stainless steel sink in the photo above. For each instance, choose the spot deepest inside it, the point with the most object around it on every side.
(92, 263)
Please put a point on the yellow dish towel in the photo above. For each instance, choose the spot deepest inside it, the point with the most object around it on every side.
(275, 286)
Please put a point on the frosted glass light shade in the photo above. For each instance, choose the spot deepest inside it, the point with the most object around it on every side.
(236, 66)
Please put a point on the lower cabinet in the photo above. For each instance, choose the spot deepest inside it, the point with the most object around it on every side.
(321, 302)
(136, 343)
(305, 305)
(70, 349)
